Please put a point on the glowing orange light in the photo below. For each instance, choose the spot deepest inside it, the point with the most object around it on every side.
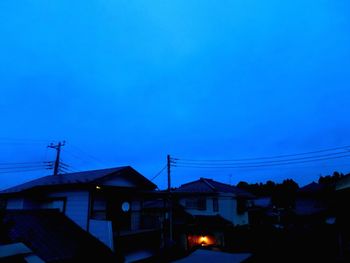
(203, 240)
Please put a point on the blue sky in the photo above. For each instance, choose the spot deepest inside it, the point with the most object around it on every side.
(128, 82)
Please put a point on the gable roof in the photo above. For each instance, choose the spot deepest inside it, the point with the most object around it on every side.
(343, 183)
(205, 185)
(81, 178)
(311, 188)
(54, 237)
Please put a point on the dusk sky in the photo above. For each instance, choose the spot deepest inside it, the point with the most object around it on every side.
(126, 82)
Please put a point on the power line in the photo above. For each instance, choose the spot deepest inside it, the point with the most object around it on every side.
(269, 157)
(21, 171)
(77, 156)
(90, 156)
(23, 167)
(63, 170)
(256, 166)
(179, 161)
(68, 166)
(13, 167)
(159, 173)
(24, 140)
(63, 165)
(20, 163)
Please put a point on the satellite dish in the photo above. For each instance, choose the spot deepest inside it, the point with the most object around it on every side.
(125, 206)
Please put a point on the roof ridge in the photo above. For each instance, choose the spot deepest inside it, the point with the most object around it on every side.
(218, 182)
(189, 183)
(209, 184)
(95, 170)
(83, 177)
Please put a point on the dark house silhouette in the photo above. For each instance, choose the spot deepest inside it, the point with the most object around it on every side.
(107, 203)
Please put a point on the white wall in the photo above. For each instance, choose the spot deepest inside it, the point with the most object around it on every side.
(102, 230)
(227, 209)
(77, 205)
(209, 207)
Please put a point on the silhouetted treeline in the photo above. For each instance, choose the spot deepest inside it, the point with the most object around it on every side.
(289, 185)
(330, 179)
(268, 188)
(283, 194)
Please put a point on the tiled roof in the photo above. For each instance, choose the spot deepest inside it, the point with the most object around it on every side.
(205, 185)
(85, 177)
(54, 237)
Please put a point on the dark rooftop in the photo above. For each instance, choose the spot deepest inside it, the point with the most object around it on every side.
(205, 185)
(86, 177)
(54, 237)
(311, 188)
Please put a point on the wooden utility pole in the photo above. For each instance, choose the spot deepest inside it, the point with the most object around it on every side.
(169, 179)
(170, 201)
(57, 147)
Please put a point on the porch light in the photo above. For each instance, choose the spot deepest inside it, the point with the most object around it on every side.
(98, 187)
(203, 240)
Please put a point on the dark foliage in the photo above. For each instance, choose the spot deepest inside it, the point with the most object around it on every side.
(283, 195)
(330, 179)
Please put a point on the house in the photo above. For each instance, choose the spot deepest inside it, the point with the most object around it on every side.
(342, 190)
(258, 212)
(309, 205)
(106, 203)
(313, 202)
(214, 207)
(206, 197)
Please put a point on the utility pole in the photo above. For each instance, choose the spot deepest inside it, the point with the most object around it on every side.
(169, 179)
(57, 147)
(170, 203)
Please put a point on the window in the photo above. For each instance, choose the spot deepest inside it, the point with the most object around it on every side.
(98, 208)
(196, 203)
(215, 205)
(241, 205)
(3, 204)
(202, 204)
(55, 203)
(191, 203)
